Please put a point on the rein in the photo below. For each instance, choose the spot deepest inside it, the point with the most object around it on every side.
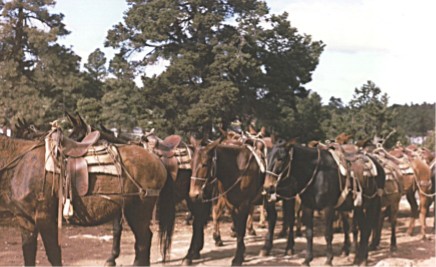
(312, 178)
(213, 174)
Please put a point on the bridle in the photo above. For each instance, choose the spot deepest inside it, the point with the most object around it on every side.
(212, 174)
(286, 173)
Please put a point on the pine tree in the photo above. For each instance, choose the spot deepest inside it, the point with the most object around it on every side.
(225, 59)
(38, 75)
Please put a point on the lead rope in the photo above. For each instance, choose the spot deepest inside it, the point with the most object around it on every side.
(233, 185)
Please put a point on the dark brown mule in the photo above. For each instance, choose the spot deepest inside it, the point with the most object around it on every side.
(31, 193)
(180, 174)
(239, 180)
(415, 178)
(260, 146)
(314, 175)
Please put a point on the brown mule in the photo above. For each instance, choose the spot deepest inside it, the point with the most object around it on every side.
(32, 194)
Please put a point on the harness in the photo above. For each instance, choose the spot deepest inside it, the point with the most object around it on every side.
(212, 173)
(287, 170)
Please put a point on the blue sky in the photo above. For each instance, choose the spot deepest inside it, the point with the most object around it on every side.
(390, 42)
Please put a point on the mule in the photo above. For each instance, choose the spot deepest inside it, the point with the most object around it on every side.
(33, 195)
(390, 202)
(416, 178)
(181, 177)
(314, 175)
(239, 179)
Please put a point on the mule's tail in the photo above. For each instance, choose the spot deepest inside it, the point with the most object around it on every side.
(166, 213)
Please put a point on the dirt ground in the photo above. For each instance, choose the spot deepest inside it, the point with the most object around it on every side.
(90, 246)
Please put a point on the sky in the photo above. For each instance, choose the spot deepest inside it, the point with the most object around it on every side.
(389, 42)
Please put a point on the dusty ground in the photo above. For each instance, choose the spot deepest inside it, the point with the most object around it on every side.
(85, 246)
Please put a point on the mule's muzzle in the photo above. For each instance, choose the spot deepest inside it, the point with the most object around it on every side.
(195, 195)
(270, 193)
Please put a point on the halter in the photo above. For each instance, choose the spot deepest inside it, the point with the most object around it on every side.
(288, 168)
(212, 173)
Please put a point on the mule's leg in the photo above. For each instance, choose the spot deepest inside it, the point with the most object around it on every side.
(138, 216)
(271, 216)
(250, 227)
(423, 205)
(377, 229)
(262, 217)
(366, 220)
(29, 245)
(200, 214)
(298, 213)
(49, 234)
(393, 220)
(217, 212)
(346, 230)
(285, 222)
(290, 206)
(414, 209)
(308, 222)
(329, 214)
(117, 229)
(240, 221)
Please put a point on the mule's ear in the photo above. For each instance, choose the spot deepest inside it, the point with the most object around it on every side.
(251, 130)
(291, 142)
(194, 142)
(273, 138)
(223, 132)
(71, 118)
(19, 124)
(263, 131)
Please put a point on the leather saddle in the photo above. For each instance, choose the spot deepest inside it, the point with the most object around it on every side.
(166, 150)
(76, 166)
(75, 149)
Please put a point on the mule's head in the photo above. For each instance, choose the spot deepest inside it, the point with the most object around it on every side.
(80, 127)
(279, 164)
(202, 166)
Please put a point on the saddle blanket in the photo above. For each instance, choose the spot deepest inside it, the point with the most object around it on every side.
(184, 157)
(100, 159)
(369, 167)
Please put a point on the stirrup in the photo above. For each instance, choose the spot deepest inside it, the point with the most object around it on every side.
(68, 209)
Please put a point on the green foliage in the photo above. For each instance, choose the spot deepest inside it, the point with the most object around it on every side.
(223, 61)
(38, 75)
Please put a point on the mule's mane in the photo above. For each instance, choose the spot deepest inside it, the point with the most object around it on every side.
(11, 148)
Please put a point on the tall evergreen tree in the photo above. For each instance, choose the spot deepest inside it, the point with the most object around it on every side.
(38, 75)
(225, 59)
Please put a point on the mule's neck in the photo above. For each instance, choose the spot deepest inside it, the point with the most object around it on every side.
(305, 162)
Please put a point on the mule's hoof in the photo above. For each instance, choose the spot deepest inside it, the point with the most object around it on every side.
(373, 247)
(298, 234)
(263, 253)
(393, 249)
(306, 263)
(345, 252)
(186, 262)
(289, 252)
(328, 263)
(219, 243)
(237, 262)
(252, 232)
(196, 256)
(110, 263)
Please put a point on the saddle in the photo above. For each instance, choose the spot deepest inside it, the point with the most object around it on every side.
(76, 149)
(172, 154)
(81, 159)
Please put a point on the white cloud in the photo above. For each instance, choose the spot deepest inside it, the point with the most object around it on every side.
(386, 41)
